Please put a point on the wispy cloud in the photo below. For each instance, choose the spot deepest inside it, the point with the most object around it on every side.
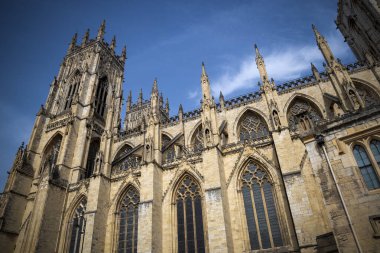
(193, 94)
(289, 63)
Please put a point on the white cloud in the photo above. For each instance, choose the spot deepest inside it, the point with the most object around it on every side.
(289, 63)
(192, 94)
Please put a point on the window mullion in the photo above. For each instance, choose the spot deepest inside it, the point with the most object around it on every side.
(195, 227)
(255, 215)
(267, 216)
(184, 223)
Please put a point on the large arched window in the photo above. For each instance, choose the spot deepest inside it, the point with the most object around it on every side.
(73, 88)
(302, 116)
(93, 150)
(101, 96)
(260, 208)
(252, 126)
(77, 227)
(51, 156)
(366, 168)
(191, 237)
(128, 221)
(368, 96)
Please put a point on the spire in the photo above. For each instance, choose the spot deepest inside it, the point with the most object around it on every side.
(101, 31)
(323, 46)
(73, 42)
(85, 37)
(221, 100)
(261, 65)
(315, 72)
(206, 90)
(140, 100)
(180, 113)
(113, 44)
(129, 101)
(123, 54)
(167, 106)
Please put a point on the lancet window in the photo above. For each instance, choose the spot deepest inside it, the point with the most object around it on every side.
(77, 228)
(91, 157)
(366, 165)
(260, 208)
(128, 221)
(51, 156)
(101, 96)
(125, 160)
(302, 116)
(71, 92)
(190, 231)
(252, 126)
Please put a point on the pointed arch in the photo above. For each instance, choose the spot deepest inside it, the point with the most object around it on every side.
(196, 137)
(72, 89)
(121, 148)
(192, 131)
(101, 95)
(76, 224)
(189, 214)
(303, 113)
(367, 92)
(318, 106)
(126, 159)
(251, 124)
(91, 156)
(50, 155)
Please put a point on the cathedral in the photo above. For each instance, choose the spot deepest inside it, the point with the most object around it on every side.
(293, 167)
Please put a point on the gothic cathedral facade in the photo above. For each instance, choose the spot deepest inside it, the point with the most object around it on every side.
(293, 167)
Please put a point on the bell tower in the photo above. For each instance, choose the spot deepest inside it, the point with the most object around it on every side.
(81, 116)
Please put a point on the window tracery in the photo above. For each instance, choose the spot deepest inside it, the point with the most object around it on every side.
(198, 139)
(73, 88)
(260, 208)
(51, 156)
(189, 217)
(127, 163)
(169, 153)
(128, 222)
(252, 127)
(302, 116)
(368, 97)
(77, 227)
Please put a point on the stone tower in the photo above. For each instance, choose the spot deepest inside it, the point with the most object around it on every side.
(69, 143)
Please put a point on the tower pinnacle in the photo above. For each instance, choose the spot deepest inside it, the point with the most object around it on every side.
(101, 31)
(324, 47)
(113, 44)
(73, 42)
(261, 65)
(206, 90)
(85, 37)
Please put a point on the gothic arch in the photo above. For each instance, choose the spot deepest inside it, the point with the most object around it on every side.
(179, 179)
(245, 110)
(318, 106)
(167, 134)
(57, 137)
(125, 144)
(368, 92)
(191, 133)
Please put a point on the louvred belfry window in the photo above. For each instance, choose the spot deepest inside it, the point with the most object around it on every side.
(189, 217)
(73, 88)
(128, 222)
(101, 96)
(260, 209)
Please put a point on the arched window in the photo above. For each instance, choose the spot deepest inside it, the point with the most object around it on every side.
(302, 116)
(190, 232)
(125, 160)
(375, 148)
(51, 156)
(128, 221)
(260, 208)
(101, 96)
(252, 126)
(93, 150)
(366, 168)
(197, 141)
(73, 88)
(368, 96)
(77, 227)
(169, 152)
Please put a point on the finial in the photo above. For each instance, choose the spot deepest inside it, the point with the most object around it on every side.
(316, 32)
(113, 43)
(258, 55)
(129, 101)
(221, 95)
(315, 72)
(85, 37)
(101, 31)
(167, 106)
(140, 99)
(161, 99)
(124, 53)
(73, 41)
(203, 70)
(155, 88)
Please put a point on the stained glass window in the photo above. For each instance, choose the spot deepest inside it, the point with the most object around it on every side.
(260, 209)
(302, 116)
(366, 169)
(128, 222)
(252, 126)
(77, 227)
(189, 217)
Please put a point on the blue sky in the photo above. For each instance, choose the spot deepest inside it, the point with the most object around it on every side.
(165, 39)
